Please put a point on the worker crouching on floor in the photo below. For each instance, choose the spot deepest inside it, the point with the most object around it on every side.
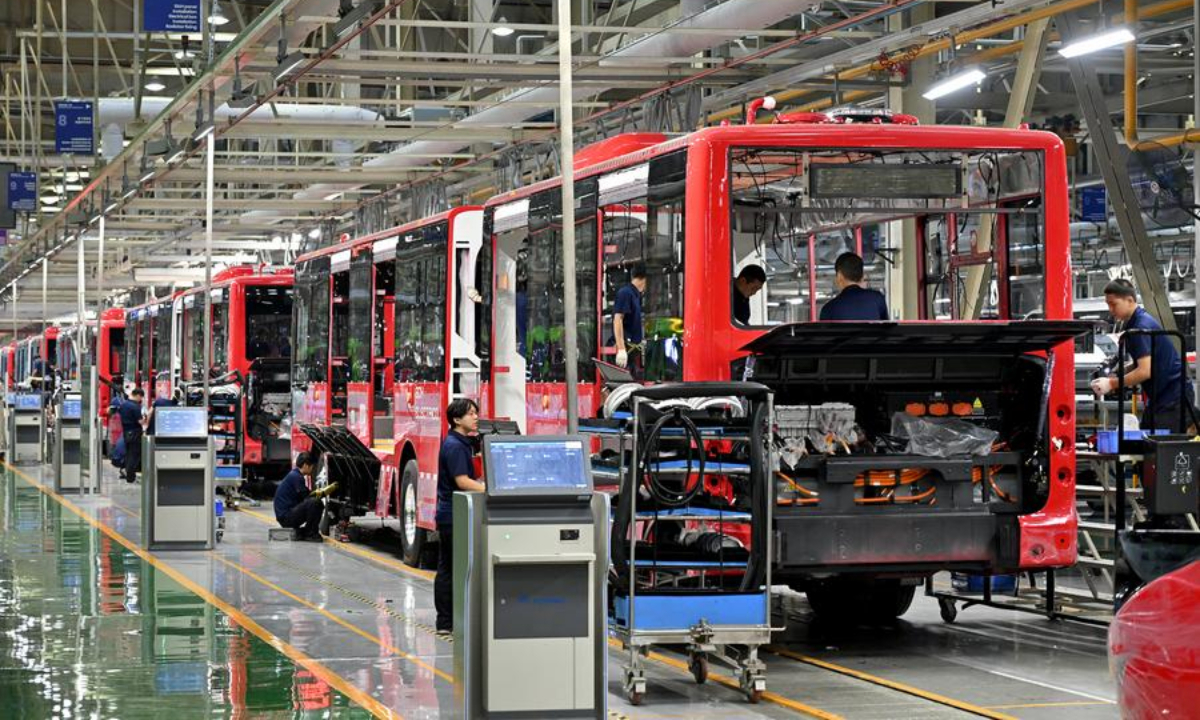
(456, 471)
(295, 506)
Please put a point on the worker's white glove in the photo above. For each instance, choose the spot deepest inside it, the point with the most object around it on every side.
(1104, 385)
(474, 296)
(622, 358)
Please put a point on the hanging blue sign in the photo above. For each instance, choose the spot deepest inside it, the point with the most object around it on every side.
(171, 16)
(73, 123)
(1093, 205)
(22, 191)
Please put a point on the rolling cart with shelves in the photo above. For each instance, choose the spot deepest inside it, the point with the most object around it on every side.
(690, 569)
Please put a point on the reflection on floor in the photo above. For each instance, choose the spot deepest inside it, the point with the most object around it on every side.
(97, 630)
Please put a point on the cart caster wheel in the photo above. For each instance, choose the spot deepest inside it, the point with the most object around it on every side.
(754, 696)
(698, 664)
(635, 698)
(948, 608)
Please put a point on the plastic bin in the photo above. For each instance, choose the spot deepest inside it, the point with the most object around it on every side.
(965, 582)
(1106, 440)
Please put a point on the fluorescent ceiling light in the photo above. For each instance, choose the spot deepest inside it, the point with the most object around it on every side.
(216, 17)
(147, 177)
(204, 130)
(177, 155)
(49, 199)
(1096, 43)
(288, 64)
(351, 19)
(502, 30)
(954, 83)
(184, 54)
(155, 86)
(110, 207)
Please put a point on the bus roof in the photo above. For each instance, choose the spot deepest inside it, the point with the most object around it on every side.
(883, 136)
(406, 227)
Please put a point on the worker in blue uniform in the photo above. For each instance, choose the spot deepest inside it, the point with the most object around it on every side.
(1157, 367)
(628, 333)
(746, 285)
(456, 471)
(130, 412)
(854, 300)
(297, 507)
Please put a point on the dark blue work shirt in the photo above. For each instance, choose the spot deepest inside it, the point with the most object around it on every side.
(130, 412)
(629, 307)
(1165, 365)
(856, 303)
(290, 493)
(741, 306)
(454, 459)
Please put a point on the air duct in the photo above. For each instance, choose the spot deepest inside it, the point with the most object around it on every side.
(524, 103)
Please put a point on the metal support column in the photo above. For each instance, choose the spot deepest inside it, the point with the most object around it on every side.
(1195, 155)
(903, 284)
(1020, 102)
(566, 128)
(1112, 156)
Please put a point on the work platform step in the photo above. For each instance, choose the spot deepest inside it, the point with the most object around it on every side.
(281, 534)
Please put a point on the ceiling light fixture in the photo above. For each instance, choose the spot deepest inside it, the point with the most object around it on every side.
(155, 86)
(351, 20)
(287, 65)
(215, 16)
(502, 30)
(203, 130)
(954, 83)
(1096, 43)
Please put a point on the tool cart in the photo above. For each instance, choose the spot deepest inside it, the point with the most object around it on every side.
(691, 540)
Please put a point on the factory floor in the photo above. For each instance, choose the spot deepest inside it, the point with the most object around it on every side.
(91, 625)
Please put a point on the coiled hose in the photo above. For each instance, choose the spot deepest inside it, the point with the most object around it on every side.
(670, 497)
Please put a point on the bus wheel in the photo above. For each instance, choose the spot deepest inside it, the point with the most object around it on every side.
(412, 538)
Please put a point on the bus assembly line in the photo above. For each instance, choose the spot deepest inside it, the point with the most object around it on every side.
(746, 364)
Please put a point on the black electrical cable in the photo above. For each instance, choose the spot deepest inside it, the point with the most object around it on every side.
(665, 496)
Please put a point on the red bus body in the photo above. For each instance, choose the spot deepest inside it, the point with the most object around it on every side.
(696, 179)
(148, 349)
(385, 336)
(251, 320)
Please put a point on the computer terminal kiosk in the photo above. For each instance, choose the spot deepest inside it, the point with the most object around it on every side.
(177, 494)
(68, 433)
(27, 427)
(530, 579)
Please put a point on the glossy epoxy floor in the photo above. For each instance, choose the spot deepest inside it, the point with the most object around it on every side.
(92, 626)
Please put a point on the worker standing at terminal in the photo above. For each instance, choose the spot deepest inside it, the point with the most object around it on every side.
(130, 412)
(1156, 363)
(854, 300)
(456, 472)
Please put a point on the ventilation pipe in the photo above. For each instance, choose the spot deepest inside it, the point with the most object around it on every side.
(522, 104)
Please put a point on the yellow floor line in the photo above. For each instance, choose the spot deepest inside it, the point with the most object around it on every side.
(892, 684)
(295, 655)
(731, 683)
(349, 626)
(352, 549)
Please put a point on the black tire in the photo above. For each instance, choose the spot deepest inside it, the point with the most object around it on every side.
(869, 601)
(412, 538)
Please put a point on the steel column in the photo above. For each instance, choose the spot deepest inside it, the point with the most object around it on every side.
(566, 124)
(1112, 156)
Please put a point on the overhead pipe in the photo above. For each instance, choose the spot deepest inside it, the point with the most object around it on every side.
(966, 38)
(1131, 84)
(523, 103)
